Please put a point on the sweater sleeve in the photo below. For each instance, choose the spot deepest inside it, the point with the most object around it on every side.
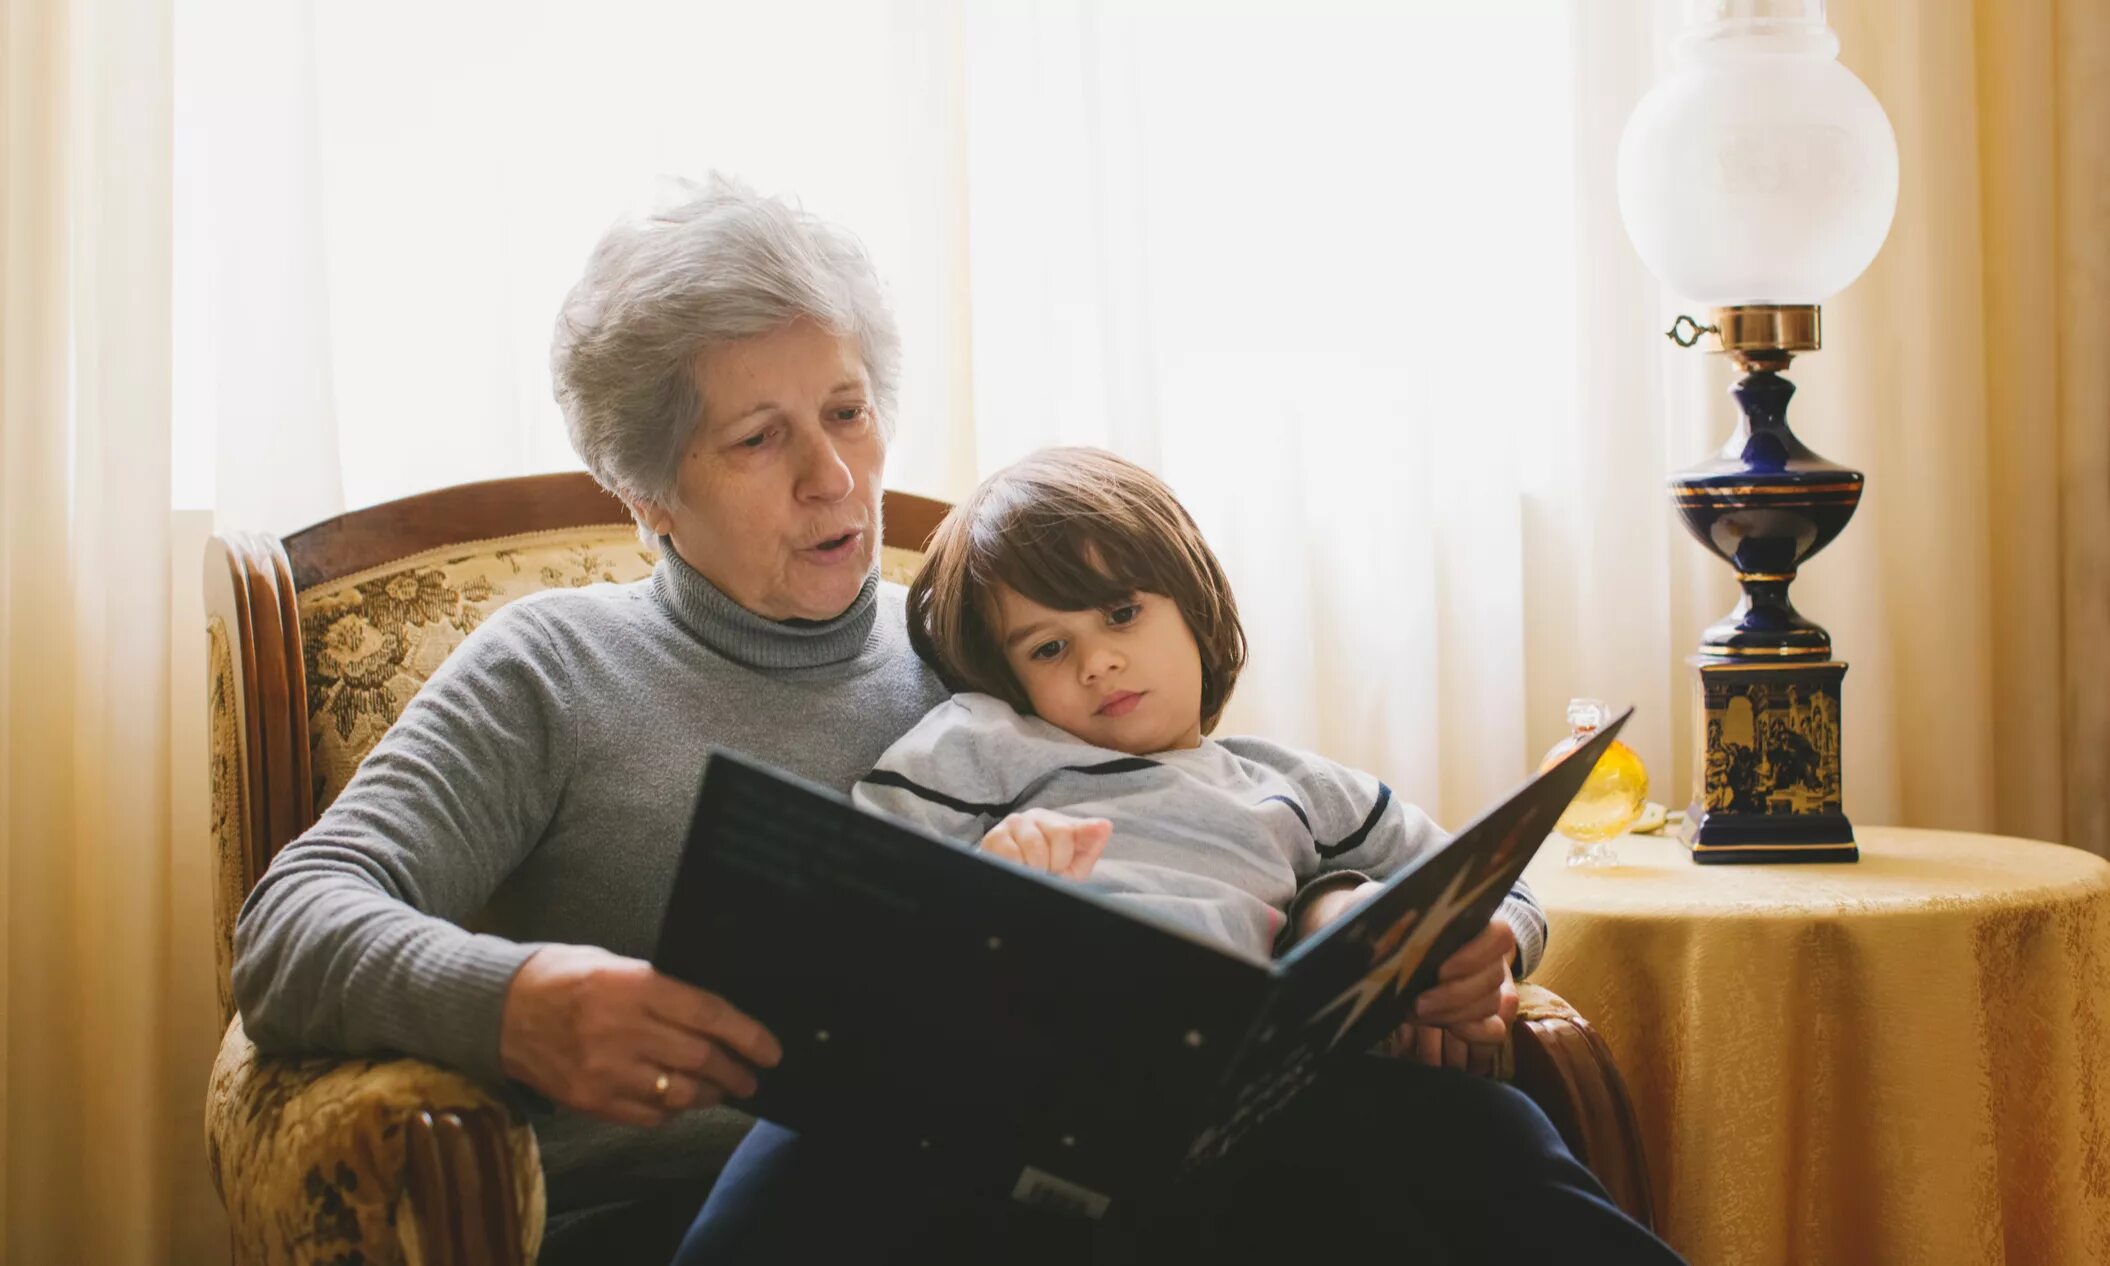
(351, 940)
(1359, 827)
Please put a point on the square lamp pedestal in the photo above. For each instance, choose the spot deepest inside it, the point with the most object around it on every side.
(1767, 779)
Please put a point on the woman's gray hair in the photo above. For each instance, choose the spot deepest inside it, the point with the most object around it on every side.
(721, 265)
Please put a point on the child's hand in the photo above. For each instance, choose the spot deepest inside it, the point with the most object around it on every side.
(1473, 1001)
(1330, 905)
(1046, 840)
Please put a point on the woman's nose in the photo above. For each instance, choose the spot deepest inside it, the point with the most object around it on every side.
(824, 475)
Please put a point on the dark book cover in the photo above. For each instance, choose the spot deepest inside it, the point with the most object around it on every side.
(928, 994)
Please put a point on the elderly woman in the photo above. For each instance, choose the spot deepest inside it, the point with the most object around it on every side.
(728, 368)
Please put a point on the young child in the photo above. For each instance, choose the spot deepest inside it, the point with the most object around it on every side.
(1095, 641)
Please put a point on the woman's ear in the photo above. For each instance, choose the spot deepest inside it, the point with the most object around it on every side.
(651, 516)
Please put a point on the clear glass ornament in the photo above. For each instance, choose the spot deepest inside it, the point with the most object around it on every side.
(1612, 797)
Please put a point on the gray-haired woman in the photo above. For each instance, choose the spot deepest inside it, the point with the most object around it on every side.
(728, 368)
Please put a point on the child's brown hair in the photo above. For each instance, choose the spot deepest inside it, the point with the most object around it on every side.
(1072, 529)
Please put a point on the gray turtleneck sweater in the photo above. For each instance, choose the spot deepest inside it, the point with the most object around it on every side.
(540, 785)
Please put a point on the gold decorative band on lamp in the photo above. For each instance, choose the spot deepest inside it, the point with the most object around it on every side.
(1716, 492)
(1758, 335)
(1731, 650)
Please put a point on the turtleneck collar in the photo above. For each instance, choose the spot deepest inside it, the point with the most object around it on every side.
(757, 641)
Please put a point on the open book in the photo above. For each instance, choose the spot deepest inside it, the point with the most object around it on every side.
(930, 994)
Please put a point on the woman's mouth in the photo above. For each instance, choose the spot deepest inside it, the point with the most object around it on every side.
(1120, 703)
(836, 548)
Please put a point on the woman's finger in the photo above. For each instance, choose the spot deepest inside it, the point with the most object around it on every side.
(1455, 1052)
(711, 1017)
(697, 1060)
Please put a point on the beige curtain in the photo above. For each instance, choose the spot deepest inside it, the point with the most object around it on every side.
(1966, 374)
(1963, 373)
(105, 993)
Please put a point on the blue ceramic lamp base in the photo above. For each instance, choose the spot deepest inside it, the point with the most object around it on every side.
(1766, 784)
(1767, 688)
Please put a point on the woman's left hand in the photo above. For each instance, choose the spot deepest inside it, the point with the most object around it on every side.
(1474, 1000)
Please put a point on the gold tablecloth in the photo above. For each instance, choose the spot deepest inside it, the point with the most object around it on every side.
(1900, 1060)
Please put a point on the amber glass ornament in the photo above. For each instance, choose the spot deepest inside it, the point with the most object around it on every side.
(1612, 797)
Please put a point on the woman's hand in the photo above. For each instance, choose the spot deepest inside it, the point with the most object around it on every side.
(1474, 1000)
(596, 1032)
(1043, 839)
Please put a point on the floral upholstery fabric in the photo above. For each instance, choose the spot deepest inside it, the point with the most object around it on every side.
(223, 719)
(310, 1155)
(372, 638)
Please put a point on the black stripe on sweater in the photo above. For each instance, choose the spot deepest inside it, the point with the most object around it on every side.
(889, 778)
(1384, 797)
(1297, 809)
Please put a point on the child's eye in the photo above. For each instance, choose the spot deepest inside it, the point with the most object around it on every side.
(1045, 651)
(1124, 614)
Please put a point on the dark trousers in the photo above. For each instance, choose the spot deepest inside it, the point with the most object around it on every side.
(1380, 1158)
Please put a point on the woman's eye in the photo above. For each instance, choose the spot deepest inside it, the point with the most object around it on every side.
(757, 440)
(1124, 614)
(1046, 651)
(850, 413)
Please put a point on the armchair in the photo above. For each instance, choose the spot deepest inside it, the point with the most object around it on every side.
(314, 643)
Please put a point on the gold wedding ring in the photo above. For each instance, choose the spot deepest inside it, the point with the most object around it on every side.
(659, 1087)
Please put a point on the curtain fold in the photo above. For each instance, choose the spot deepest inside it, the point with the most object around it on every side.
(101, 1076)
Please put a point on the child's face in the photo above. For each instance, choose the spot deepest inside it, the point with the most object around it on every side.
(1126, 677)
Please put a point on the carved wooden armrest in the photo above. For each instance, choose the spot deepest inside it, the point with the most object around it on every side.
(377, 1161)
(1554, 1056)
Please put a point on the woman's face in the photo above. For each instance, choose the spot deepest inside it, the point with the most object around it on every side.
(778, 499)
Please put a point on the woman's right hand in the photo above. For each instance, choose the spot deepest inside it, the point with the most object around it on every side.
(1043, 839)
(595, 1032)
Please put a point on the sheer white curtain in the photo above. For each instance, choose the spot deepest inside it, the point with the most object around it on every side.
(1350, 276)
(1316, 267)
(381, 205)
(1323, 269)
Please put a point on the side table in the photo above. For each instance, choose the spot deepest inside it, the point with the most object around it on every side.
(1905, 1059)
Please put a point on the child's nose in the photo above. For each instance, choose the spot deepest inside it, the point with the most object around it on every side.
(1098, 664)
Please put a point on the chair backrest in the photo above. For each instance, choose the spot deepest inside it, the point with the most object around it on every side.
(316, 642)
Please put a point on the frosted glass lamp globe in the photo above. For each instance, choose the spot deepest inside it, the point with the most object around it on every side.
(1758, 170)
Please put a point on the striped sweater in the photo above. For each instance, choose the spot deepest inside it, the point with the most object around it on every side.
(1218, 840)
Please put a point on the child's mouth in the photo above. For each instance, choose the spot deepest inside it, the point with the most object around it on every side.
(1120, 703)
